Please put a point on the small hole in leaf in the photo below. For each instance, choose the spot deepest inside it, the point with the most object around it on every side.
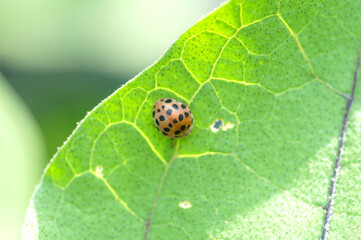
(216, 125)
(185, 204)
(99, 171)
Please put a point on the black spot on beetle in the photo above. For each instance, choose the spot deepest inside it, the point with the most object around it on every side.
(153, 113)
(183, 127)
(180, 117)
(166, 130)
(177, 132)
(158, 110)
(175, 121)
(175, 106)
(183, 106)
(163, 107)
(169, 112)
(192, 120)
(168, 100)
(188, 126)
(156, 122)
(170, 125)
(161, 118)
(165, 134)
(186, 114)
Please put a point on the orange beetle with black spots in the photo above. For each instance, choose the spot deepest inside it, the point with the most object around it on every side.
(172, 118)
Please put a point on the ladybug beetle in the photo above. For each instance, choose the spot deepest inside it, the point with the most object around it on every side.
(172, 118)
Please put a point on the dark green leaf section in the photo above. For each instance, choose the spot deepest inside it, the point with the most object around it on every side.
(274, 73)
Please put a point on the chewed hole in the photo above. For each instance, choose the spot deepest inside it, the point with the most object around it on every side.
(219, 124)
(185, 204)
(99, 171)
(216, 125)
(227, 126)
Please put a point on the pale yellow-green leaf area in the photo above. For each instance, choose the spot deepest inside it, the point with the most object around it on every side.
(267, 82)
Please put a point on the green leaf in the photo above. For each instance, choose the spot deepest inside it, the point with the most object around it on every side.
(268, 83)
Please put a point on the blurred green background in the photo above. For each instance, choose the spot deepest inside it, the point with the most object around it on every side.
(58, 59)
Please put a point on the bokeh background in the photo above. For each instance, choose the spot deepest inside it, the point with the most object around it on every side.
(58, 59)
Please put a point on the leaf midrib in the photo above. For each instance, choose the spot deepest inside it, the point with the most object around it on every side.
(337, 168)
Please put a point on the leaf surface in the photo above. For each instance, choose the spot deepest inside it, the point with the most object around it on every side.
(268, 83)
